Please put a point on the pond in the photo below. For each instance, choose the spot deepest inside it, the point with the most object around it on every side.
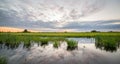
(88, 51)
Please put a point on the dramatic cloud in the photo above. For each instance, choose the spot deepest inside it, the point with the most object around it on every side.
(94, 25)
(54, 15)
(109, 25)
(50, 10)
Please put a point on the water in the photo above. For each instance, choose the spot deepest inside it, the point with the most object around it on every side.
(86, 53)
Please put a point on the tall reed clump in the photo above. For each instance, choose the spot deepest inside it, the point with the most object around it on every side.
(8, 40)
(44, 41)
(108, 43)
(72, 44)
(56, 44)
(13, 41)
(3, 60)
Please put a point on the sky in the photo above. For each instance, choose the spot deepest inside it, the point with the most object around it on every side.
(61, 15)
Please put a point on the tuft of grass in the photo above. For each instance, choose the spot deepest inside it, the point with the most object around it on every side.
(72, 44)
(44, 41)
(56, 44)
(107, 43)
(3, 60)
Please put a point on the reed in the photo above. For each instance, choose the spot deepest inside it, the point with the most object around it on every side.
(3, 60)
(56, 44)
(107, 43)
(72, 44)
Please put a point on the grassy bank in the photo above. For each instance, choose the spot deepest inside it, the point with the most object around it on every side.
(67, 34)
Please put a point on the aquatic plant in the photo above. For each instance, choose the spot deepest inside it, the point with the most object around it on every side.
(3, 60)
(13, 41)
(44, 42)
(107, 43)
(72, 44)
(56, 44)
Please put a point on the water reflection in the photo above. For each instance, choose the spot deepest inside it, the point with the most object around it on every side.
(44, 43)
(107, 46)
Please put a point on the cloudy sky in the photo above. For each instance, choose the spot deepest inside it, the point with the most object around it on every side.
(61, 15)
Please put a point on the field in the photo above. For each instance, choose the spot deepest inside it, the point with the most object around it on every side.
(66, 34)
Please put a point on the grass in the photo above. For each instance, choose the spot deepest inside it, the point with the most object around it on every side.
(56, 44)
(72, 44)
(108, 43)
(104, 40)
(13, 41)
(68, 34)
(3, 60)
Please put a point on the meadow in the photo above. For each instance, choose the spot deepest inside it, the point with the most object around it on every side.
(65, 34)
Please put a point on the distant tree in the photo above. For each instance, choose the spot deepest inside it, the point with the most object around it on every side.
(65, 31)
(94, 31)
(25, 30)
(110, 31)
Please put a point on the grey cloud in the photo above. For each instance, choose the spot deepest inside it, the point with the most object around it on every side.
(44, 14)
(47, 10)
(93, 25)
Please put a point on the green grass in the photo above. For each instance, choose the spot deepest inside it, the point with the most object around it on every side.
(56, 44)
(72, 44)
(107, 43)
(3, 60)
(103, 39)
(13, 41)
(68, 34)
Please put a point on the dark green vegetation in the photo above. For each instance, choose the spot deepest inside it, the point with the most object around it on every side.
(108, 41)
(3, 60)
(72, 44)
(25, 31)
(56, 44)
(66, 34)
(13, 41)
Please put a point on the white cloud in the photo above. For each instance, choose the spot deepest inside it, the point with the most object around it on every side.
(51, 10)
(54, 15)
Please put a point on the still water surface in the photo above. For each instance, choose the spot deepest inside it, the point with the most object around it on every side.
(86, 53)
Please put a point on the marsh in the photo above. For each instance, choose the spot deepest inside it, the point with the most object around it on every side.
(87, 52)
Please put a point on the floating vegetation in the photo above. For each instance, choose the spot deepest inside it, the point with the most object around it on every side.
(72, 44)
